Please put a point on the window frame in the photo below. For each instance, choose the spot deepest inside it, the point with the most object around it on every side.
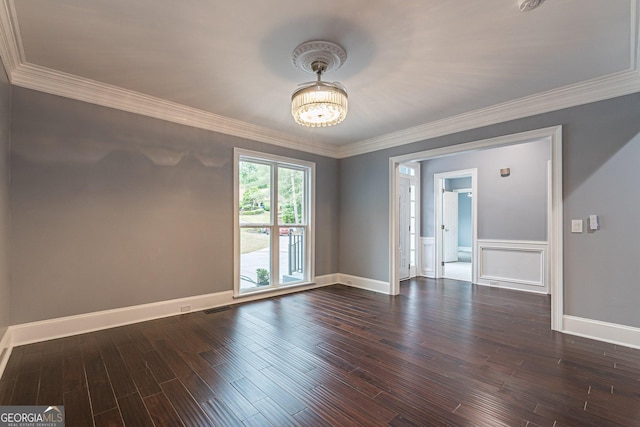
(275, 161)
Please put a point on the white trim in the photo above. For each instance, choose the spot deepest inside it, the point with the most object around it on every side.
(309, 168)
(555, 228)
(364, 283)
(598, 89)
(613, 333)
(5, 349)
(10, 50)
(21, 73)
(428, 255)
(319, 282)
(515, 248)
(28, 333)
(394, 238)
(69, 86)
(554, 233)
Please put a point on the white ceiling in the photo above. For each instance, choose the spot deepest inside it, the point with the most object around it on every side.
(414, 67)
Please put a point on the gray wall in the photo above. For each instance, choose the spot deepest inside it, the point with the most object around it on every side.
(5, 136)
(601, 162)
(114, 209)
(511, 208)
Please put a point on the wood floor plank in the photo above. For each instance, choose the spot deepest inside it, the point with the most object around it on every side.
(73, 375)
(77, 408)
(162, 412)
(441, 353)
(187, 408)
(273, 413)
(100, 390)
(145, 382)
(119, 375)
(156, 364)
(25, 391)
(110, 418)
(134, 412)
(220, 413)
(6, 390)
(50, 389)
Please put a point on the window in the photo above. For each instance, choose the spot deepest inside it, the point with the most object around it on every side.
(274, 222)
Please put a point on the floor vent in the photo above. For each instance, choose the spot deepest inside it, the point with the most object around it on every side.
(217, 309)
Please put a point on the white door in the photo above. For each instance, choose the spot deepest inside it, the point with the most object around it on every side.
(404, 232)
(450, 226)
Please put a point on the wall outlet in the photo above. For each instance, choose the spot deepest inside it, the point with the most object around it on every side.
(185, 308)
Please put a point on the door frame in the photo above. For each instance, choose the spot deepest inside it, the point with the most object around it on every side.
(415, 181)
(555, 209)
(438, 187)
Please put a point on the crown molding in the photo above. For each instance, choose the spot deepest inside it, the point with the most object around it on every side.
(597, 89)
(30, 76)
(611, 86)
(58, 83)
(10, 51)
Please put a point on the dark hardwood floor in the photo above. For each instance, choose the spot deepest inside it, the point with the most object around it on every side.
(441, 353)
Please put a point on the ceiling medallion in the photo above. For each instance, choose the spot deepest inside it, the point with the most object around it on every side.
(319, 103)
(527, 5)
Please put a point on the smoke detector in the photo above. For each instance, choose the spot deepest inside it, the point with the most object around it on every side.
(527, 5)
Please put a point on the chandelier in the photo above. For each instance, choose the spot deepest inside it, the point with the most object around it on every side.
(319, 103)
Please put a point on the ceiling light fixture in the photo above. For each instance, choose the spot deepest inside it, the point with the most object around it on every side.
(318, 103)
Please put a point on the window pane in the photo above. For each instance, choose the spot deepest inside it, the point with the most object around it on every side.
(290, 196)
(255, 257)
(255, 193)
(292, 254)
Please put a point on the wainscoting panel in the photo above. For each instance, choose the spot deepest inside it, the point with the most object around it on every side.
(428, 256)
(513, 264)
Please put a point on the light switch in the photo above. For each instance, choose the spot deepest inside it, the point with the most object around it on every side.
(593, 222)
(576, 226)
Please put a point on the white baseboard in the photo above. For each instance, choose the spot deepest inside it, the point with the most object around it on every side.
(327, 279)
(613, 333)
(5, 350)
(44, 330)
(28, 333)
(364, 283)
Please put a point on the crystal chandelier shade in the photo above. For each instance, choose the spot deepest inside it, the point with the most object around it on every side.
(319, 104)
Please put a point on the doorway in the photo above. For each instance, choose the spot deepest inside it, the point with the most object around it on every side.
(553, 262)
(408, 219)
(455, 202)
